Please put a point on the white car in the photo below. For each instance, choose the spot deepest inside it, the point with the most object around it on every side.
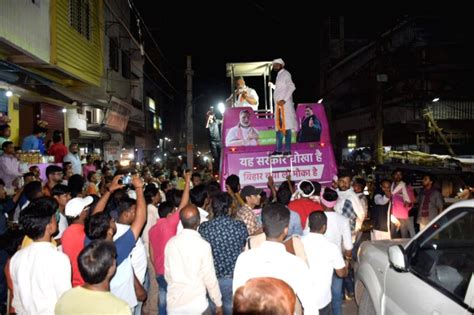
(431, 273)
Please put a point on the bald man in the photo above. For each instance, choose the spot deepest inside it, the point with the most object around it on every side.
(265, 295)
(188, 283)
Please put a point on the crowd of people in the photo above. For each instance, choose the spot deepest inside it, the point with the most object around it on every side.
(83, 241)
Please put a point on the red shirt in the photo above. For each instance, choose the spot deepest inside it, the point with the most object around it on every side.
(59, 151)
(304, 207)
(159, 235)
(73, 242)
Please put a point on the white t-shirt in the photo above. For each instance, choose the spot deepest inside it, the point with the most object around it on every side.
(323, 257)
(151, 219)
(40, 275)
(339, 230)
(138, 255)
(62, 226)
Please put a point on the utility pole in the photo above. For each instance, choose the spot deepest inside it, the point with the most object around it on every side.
(189, 114)
(381, 78)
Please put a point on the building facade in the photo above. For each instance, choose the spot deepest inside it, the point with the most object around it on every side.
(405, 88)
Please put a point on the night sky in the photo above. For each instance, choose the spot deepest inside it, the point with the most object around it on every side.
(252, 31)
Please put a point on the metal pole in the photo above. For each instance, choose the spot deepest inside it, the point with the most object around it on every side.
(189, 114)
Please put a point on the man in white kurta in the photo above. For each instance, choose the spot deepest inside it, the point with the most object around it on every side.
(285, 115)
(243, 96)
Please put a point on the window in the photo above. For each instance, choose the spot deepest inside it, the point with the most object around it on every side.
(80, 17)
(445, 256)
(156, 122)
(114, 54)
(351, 141)
(126, 71)
(89, 116)
(151, 105)
(154, 118)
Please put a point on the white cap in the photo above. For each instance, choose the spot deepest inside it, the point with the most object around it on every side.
(76, 205)
(279, 60)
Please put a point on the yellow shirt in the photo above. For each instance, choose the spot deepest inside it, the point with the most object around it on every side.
(83, 301)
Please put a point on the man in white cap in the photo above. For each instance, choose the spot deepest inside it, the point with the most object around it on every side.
(72, 240)
(285, 116)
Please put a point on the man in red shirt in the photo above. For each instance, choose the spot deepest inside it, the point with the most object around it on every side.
(77, 210)
(304, 205)
(73, 237)
(58, 149)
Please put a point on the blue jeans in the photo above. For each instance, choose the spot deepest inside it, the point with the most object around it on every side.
(279, 139)
(349, 282)
(225, 285)
(163, 289)
(336, 291)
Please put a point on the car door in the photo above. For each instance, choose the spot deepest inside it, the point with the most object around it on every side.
(440, 263)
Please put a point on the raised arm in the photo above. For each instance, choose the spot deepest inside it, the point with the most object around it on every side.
(105, 197)
(140, 217)
(271, 185)
(185, 199)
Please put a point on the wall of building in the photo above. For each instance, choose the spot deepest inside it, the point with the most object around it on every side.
(32, 35)
(71, 51)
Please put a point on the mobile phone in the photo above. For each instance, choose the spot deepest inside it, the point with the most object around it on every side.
(127, 179)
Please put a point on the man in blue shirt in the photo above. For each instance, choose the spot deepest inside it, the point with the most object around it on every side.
(33, 142)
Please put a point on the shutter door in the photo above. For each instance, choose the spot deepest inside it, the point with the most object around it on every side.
(54, 116)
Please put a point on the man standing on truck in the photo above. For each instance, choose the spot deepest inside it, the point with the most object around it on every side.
(285, 116)
(243, 95)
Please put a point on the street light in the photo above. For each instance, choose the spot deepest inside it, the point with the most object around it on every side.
(320, 101)
(221, 107)
(435, 99)
(8, 93)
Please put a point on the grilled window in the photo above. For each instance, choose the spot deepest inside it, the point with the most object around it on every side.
(80, 17)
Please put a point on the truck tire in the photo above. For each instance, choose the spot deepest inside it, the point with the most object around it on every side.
(366, 306)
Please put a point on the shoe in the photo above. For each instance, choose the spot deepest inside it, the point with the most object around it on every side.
(276, 153)
(349, 296)
(287, 153)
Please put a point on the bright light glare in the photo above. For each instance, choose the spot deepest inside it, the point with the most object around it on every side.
(124, 162)
(435, 99)
(320, 101)
(64, 110)
(8, 93)
(221, 107)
